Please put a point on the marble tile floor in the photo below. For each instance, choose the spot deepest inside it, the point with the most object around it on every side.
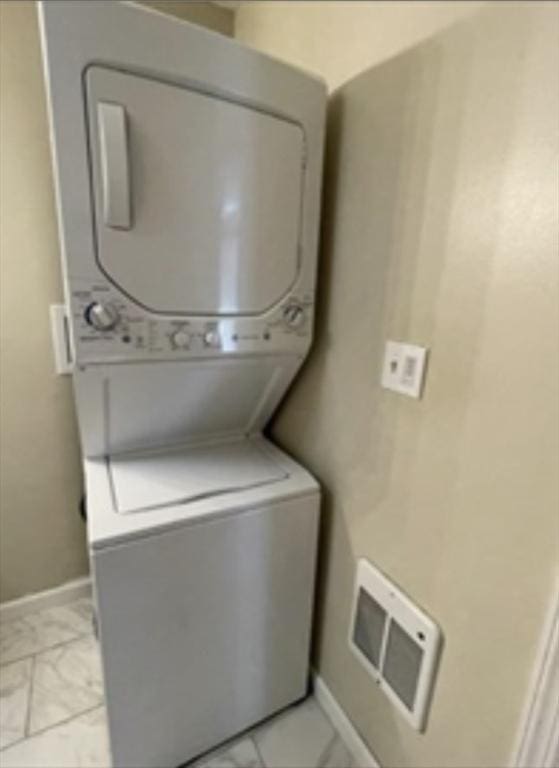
(52, 712)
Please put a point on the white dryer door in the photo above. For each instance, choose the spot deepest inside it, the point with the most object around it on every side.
(197, 200)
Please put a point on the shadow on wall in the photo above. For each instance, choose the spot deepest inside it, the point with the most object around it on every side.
(414, 188)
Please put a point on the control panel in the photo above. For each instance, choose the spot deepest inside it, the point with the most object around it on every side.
(108, 326)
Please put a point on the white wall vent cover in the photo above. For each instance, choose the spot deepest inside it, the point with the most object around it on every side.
(396, 642)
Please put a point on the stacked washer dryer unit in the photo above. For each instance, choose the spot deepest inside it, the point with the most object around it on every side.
(188, 182)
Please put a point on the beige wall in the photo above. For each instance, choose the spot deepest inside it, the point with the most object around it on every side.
(41, 536)
(340, 39)
(439, 227)
(205, 14)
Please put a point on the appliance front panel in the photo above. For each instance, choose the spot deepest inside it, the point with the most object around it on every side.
(205, 629)
(187, 172)
(197, 199)
(140, 335)
(133, 407)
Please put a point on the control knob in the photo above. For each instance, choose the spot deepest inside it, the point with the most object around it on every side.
(180, 339)
(211, 338)
(294, 316)
(103, 317)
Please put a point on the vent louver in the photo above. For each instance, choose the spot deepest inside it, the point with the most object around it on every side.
(396, 642)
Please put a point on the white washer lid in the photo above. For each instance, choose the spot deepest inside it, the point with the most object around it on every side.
(147, 481)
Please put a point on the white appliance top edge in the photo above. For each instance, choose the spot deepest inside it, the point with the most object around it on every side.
(149, 481)
(108, 528)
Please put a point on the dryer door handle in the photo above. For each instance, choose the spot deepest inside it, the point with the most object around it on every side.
(115, 172)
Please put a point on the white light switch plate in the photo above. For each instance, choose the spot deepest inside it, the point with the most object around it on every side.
(404, 368)
(60, 340)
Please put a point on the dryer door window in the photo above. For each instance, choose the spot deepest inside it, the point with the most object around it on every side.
(197, 200)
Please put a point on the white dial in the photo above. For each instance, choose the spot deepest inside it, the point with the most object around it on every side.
(103, 317)
(294, 315)
(181, 339)
(211, 338)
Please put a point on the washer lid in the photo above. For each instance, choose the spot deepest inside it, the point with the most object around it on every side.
(146, 481)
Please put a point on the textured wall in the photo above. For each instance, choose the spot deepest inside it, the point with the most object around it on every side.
(42, 541)
(342, 38)
(42, 538)
(205, 14)
(440, 226)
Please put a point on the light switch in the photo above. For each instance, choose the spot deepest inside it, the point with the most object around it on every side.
(404, 368)
(60, 339)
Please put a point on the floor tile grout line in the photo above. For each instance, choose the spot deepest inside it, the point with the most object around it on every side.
(74, 714)
(27, 723)
(31, 658)
(252, 736)
(53, 726)
(223, 749)
(47, 648)
(327, 748)
(40, 611)
(67, 720)
(47, 609)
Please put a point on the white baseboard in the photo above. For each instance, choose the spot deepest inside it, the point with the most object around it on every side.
(50, 598)
(344, 726)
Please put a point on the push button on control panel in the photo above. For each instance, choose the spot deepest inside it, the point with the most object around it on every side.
(212, 339)
(180, 339)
